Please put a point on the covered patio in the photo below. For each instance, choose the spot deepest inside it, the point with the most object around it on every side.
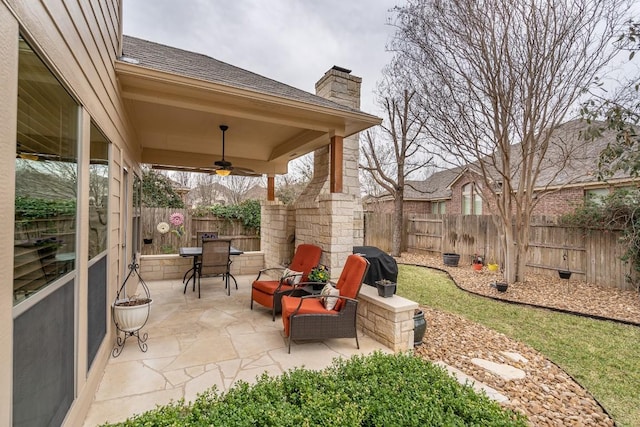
(126, 103)
(180, 101)
(179, 108)
(194, 344)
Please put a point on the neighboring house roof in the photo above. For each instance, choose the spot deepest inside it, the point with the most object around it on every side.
(570, 160)
(435, 187)
(569, 142)
(195, 65)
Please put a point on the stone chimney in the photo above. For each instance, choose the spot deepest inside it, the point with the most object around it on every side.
(333, 220)
(340, 86)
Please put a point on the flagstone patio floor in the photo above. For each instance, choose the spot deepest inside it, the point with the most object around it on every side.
(194, 344)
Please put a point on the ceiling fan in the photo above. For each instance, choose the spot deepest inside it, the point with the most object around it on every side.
(224, 167)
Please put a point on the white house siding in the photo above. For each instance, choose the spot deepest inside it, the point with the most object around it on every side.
(79, 40)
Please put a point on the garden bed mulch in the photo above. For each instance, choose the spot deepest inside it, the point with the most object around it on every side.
(547, 395)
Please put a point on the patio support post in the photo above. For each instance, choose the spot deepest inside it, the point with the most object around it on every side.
(337, 148)
(271, 188)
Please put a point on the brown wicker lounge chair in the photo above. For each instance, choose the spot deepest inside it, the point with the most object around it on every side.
(307, 318)
(268, 292)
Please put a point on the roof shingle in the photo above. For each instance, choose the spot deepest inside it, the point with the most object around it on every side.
(172, 60)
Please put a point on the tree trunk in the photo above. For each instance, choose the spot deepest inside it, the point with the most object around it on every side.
(396, 244)
(516, 247)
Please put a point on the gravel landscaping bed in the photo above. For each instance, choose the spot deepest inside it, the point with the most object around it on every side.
(547, 395)
(547, 291)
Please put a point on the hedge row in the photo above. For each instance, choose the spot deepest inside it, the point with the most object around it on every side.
(374, 390)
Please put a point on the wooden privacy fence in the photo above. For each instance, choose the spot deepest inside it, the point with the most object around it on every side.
(241, 237)
(591, 255)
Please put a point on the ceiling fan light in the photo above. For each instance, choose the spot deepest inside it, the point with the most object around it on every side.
(223, 172)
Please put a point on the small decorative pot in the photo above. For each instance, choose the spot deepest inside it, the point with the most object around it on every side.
(386, 289)
(419, 327)
(564, 274)
(501, 286)
(492, 267)
(147, 241)
(477, 266)
(450, 259)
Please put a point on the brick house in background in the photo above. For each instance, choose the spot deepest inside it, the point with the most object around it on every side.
(567, 178)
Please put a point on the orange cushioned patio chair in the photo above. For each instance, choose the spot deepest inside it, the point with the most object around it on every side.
(307, 318)
(268, 292)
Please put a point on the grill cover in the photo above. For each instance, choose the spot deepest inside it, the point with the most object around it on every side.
(381, 264)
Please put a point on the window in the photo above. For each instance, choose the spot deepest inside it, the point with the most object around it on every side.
(438, 207)
(98, 192)
(471, 200)
(46, 178)
(136, 232)
(477, 203)
(596, 195)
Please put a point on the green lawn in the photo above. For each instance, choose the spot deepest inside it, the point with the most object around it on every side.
(599, 354)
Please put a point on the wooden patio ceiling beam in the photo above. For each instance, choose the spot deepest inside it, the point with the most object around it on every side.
(337, 147)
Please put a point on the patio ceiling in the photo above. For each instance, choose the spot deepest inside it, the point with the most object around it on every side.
(176, 121)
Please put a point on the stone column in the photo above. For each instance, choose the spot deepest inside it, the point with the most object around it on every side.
(277, 233)
(333, 221)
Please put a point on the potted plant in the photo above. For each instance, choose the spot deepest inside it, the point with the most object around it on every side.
(419, 327)
(502, 286)
(131, 314)
(477, 262)
(319, 276)
(386, 288)
(566, 273)
(450, 259)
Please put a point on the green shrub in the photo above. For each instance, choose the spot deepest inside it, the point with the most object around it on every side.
(158, 191)
(247, 212)
(619, 210)
(375, 390)
(34, 208)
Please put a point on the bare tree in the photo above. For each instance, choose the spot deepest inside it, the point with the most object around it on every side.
(185, 179)
(237, 187)
(495, 78)
(61, 179)
(394, 151)
(207, 190)
(292, 184)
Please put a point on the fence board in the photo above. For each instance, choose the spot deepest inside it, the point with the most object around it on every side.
(241, 237)
(592, 255)
(383, 224)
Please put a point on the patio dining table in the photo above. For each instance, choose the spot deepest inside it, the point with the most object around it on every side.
(196, 252)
